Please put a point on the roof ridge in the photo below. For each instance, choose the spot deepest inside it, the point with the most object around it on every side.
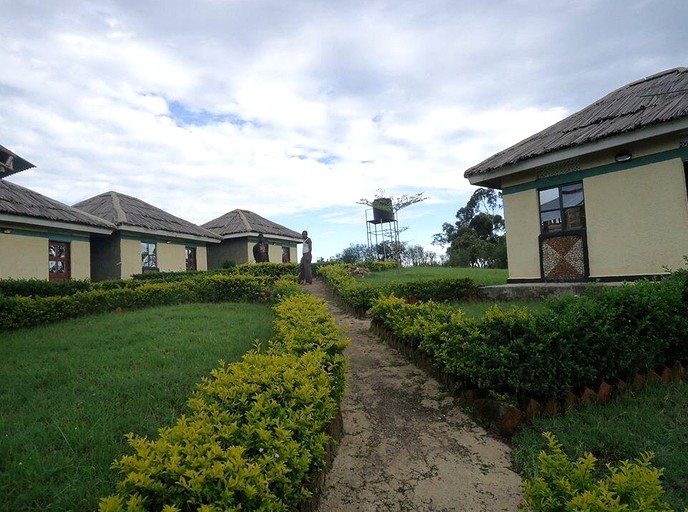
(121, 215)
(244, 219)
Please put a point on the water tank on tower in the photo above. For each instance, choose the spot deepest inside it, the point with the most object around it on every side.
(382, 210)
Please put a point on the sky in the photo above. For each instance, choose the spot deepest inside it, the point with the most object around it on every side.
(296, 110)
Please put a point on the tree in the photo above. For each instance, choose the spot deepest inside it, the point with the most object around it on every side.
(477, 237)
(397, 203)
(356, 252)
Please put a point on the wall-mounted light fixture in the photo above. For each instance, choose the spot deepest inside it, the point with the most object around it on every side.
(7, 231)
(624, 156)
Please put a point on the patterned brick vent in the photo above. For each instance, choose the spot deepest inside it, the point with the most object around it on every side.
(563, 257)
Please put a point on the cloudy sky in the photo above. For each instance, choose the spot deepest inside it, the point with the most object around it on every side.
(297, 109)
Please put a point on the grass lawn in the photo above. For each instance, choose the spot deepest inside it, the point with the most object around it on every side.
(481, 276)
(72, 390)
(477, 308)
(653, 420)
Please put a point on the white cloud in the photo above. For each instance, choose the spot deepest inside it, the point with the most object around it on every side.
(297, 110)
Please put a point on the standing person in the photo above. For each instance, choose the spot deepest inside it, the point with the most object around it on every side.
(305, 272)
(260, 250)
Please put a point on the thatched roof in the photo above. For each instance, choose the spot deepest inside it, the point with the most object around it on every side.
(11, 163)
(239, 223)
(657, 99)
(131, 214)
(19, 204)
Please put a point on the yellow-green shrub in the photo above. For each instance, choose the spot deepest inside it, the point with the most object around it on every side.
(255, 430)
(562, 484)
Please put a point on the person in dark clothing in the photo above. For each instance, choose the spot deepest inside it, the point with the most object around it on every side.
(260, 250)
(305, 272)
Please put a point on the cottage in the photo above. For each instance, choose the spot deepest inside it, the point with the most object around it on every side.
(41, 238)
(239, 230)
(601, 194)
(147, 239)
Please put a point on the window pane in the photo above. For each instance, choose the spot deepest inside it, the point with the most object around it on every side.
(575, 217)
(148, 256)
(572, 195)
(549, 199)
(550, 221)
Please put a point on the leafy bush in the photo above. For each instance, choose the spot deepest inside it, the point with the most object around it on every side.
(562, 484)
(17, 312)
(255, 431)
(360, 296)
(571, 343)
(41, 287)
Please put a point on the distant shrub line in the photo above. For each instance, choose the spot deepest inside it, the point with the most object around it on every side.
(28, 303)
(360, 296)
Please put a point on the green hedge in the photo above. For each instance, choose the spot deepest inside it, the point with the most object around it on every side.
(274, 270)
(360, 296)
(254, 436)
(571, 343)
(17, 312)
(41, 287)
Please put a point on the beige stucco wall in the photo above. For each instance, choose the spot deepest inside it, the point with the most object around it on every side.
(23, 257)
(130, 257)
(522, 221)
(201, 258)
(26, 257)
(80, 259)
(637, 220)
(171, 257)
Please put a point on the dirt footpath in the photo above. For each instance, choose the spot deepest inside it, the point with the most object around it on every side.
(406, 445)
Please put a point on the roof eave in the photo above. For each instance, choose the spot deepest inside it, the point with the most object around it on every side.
(495, 175)
(159, 233)
(247, 234)
(27, 221)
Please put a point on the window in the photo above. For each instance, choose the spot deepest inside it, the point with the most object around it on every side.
(562, 208)
(190, 259)
(58, 261)
(149, 256)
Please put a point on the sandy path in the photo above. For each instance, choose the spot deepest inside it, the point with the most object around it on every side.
(406, 445)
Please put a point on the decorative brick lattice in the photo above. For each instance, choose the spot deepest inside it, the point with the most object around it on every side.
(563, 257)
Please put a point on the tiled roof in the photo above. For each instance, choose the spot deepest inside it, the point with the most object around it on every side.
(20, 201)
(657, 99)
(244, 221)
(126, 211)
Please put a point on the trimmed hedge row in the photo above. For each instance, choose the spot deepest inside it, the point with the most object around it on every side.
(571, 343)
(255, 432)
(41, 288)
(274, 270)
(360, 296)
(17, 312)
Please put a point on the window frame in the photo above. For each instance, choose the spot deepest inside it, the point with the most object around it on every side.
(64, 259)
(562, 210)
(190, 258)
(146, 256)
